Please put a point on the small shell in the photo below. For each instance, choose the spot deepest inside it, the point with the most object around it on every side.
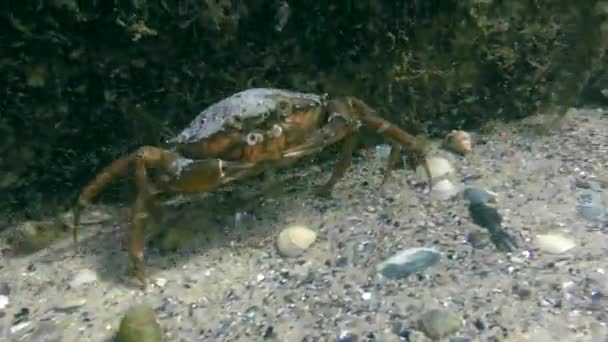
(459, 142)
(408, 261)
(444, 189)
(554, 243)
(440, 167)
(294, 240)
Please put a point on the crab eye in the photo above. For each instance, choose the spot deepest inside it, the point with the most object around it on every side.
(254, 138)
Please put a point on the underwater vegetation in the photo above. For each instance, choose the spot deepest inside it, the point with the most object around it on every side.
(85, 82)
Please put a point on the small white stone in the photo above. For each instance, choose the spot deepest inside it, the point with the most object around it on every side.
(3, 302)
(366, 295)
(160, 282)
(261, 277)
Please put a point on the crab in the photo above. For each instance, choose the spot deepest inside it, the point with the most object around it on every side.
(240, 136)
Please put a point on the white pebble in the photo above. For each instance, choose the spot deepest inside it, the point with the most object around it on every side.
(3, 302)
(160, 282)
(366, 295)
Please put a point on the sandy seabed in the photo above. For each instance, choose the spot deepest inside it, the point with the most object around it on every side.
(228, 283)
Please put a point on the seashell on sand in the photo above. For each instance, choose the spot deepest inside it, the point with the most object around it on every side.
(439, 166)
(554, 243)
(295, 240)
(408, 261)
(444, 189)
(459, 142)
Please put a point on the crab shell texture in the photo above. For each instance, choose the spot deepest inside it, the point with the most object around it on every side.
(252, 125)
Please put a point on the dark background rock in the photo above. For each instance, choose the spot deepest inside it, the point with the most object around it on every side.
(87, 81)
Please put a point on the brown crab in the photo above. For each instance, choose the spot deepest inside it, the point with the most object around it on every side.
(239, 136)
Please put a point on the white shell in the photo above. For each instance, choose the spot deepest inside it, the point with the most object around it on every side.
(444, 189)
(554, 243)
(459, 142)
(439, 166)
(293, 241)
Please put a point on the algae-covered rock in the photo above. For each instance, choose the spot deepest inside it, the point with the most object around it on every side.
(32, 236)
(139, 325)
(84, 85)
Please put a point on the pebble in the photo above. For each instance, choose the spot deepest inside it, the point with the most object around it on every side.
(32, 236)
(83, 277)
(295, 240)
(438, 324)
(139, 325)
(554, 243)
(408, 261)
(347, 336)
(160, 282)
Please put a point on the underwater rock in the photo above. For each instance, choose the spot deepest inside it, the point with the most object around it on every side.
(438, 324)
(408, 261)
(459, 142)
(139, 325)
(554, 243)
(32, 236)
(295, 240)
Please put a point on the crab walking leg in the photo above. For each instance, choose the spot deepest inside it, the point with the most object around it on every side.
(118, 168)
(339, 128)
(417, 155)
(393, 158)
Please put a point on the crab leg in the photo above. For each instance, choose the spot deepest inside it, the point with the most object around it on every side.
(393, 158)
(406, 140)
(178, 174)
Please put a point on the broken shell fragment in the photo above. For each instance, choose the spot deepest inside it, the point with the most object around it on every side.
(295, 240)
(554, 243)
(408, 261)
(459, 142)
